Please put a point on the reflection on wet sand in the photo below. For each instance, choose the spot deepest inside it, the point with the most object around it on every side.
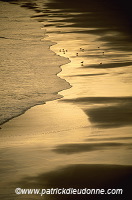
(48, 141)
(111, 116)
(86, 147)
(84, 176)
(109, 139)
(110, 65)
(106, 112)
(88, 74)
(99, 100)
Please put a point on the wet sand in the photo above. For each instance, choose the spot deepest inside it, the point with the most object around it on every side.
(81, 140)
(36, 147)
(37, 151)
(84, 176)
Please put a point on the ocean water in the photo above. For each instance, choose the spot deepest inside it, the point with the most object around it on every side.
(26, 63)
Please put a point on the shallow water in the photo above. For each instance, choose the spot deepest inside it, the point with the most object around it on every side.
(26, 63)
(83, 139)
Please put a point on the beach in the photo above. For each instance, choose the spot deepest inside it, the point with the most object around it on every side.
(74, 90)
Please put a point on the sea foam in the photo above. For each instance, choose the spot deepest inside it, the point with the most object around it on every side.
(28, 67)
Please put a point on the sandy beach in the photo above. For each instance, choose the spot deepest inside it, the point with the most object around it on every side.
(79, 136)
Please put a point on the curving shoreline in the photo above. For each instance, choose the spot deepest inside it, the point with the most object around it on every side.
(83, 139)
(29, 67)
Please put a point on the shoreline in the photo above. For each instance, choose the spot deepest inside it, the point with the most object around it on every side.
(48, 96)
(79, 139)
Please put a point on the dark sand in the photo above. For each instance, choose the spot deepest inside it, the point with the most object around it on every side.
(109, 111)
(84, 176)
(109, 65)
(87, 147)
